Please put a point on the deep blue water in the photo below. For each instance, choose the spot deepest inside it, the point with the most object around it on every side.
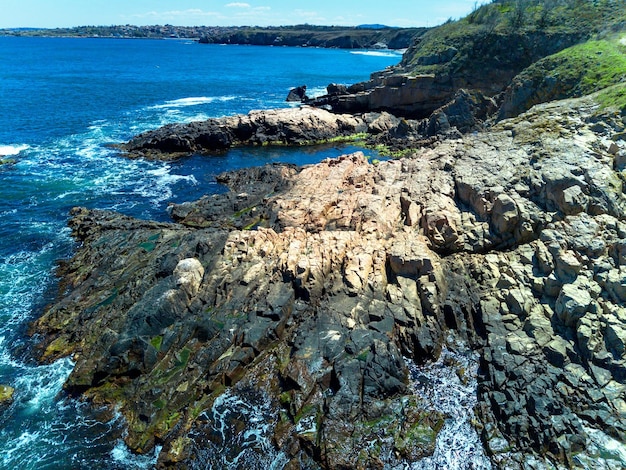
(61, 101)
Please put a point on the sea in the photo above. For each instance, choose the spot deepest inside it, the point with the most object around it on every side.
(63, 101)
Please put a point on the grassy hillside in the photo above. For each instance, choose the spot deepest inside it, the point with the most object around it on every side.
(486, 49)
(575, 71)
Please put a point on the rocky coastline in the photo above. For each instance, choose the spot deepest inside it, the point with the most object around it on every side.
(340, 37)
(307, 294)
(309, 285)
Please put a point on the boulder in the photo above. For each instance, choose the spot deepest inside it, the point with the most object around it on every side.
(297, 94)
(572, 304)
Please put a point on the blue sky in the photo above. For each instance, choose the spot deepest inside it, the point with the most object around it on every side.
(64, 13)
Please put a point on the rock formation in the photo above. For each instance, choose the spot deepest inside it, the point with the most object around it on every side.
(296, 299)
(310, 126)
(292, 126)
(301, 290)
(297, 94)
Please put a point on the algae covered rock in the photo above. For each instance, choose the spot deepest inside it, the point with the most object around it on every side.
(6, 395)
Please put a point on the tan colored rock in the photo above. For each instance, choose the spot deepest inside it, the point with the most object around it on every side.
(188, 275)
(505, 214)
(6, 394)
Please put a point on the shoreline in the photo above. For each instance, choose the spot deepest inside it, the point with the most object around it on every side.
(322, 36)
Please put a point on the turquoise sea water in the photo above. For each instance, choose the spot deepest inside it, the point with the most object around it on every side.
(61, 102)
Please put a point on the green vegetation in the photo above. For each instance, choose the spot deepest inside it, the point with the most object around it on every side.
(358, 137)
(156, 342)
(150, 245)
(587, 67)
(576, 71)
(105, 303)
(6, 393)
(159, 404)
(181, 359)
(389, 152)
(614, 97)
(243, 211)
(498, 40)
(252, 225)
(549, 15)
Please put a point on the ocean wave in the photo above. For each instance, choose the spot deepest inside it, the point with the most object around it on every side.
(122, 455)
(192, 101)
(316, 91)
(377, 53)
(158, 186)
(36, 387)
(15, 449)
(6, 150)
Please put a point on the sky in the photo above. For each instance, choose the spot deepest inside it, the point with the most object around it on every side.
(67, 13)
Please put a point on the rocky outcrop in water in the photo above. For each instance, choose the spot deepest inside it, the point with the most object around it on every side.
(308, 125)
(298, 293)
(297, 94)
(291, 126)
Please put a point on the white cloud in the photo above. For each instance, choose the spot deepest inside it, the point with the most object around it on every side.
(238, 5)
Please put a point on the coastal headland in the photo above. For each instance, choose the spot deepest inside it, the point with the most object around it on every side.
(304, 292)
(358, 37)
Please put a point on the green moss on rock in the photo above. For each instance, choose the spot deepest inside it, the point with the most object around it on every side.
(6, 394)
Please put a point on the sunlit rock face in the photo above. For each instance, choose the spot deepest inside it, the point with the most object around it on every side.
(301, 292)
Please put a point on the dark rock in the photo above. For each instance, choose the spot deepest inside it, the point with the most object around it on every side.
(297, 94)
(335, 89)
(292, 126)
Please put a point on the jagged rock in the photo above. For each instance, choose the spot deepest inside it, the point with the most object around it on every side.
(294, 126)
(188, 276)
(303, 288)
(297, 94)
(336, 89)
(572, 304)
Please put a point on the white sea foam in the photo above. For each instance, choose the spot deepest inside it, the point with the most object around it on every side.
(382, 53)
(602, 452)
(38, 386)
(316, 91)
(192, 101)
(236, 448)
(458, 445)
(18, 445)
(122, 455)
(6, 150)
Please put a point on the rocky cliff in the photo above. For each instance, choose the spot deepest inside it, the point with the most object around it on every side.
(276, 324)
(376, 37)
(315, 36)
(480, 53)
(303, 289)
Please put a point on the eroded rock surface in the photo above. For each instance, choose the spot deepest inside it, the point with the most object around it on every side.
(303, 297)
(290, 126)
